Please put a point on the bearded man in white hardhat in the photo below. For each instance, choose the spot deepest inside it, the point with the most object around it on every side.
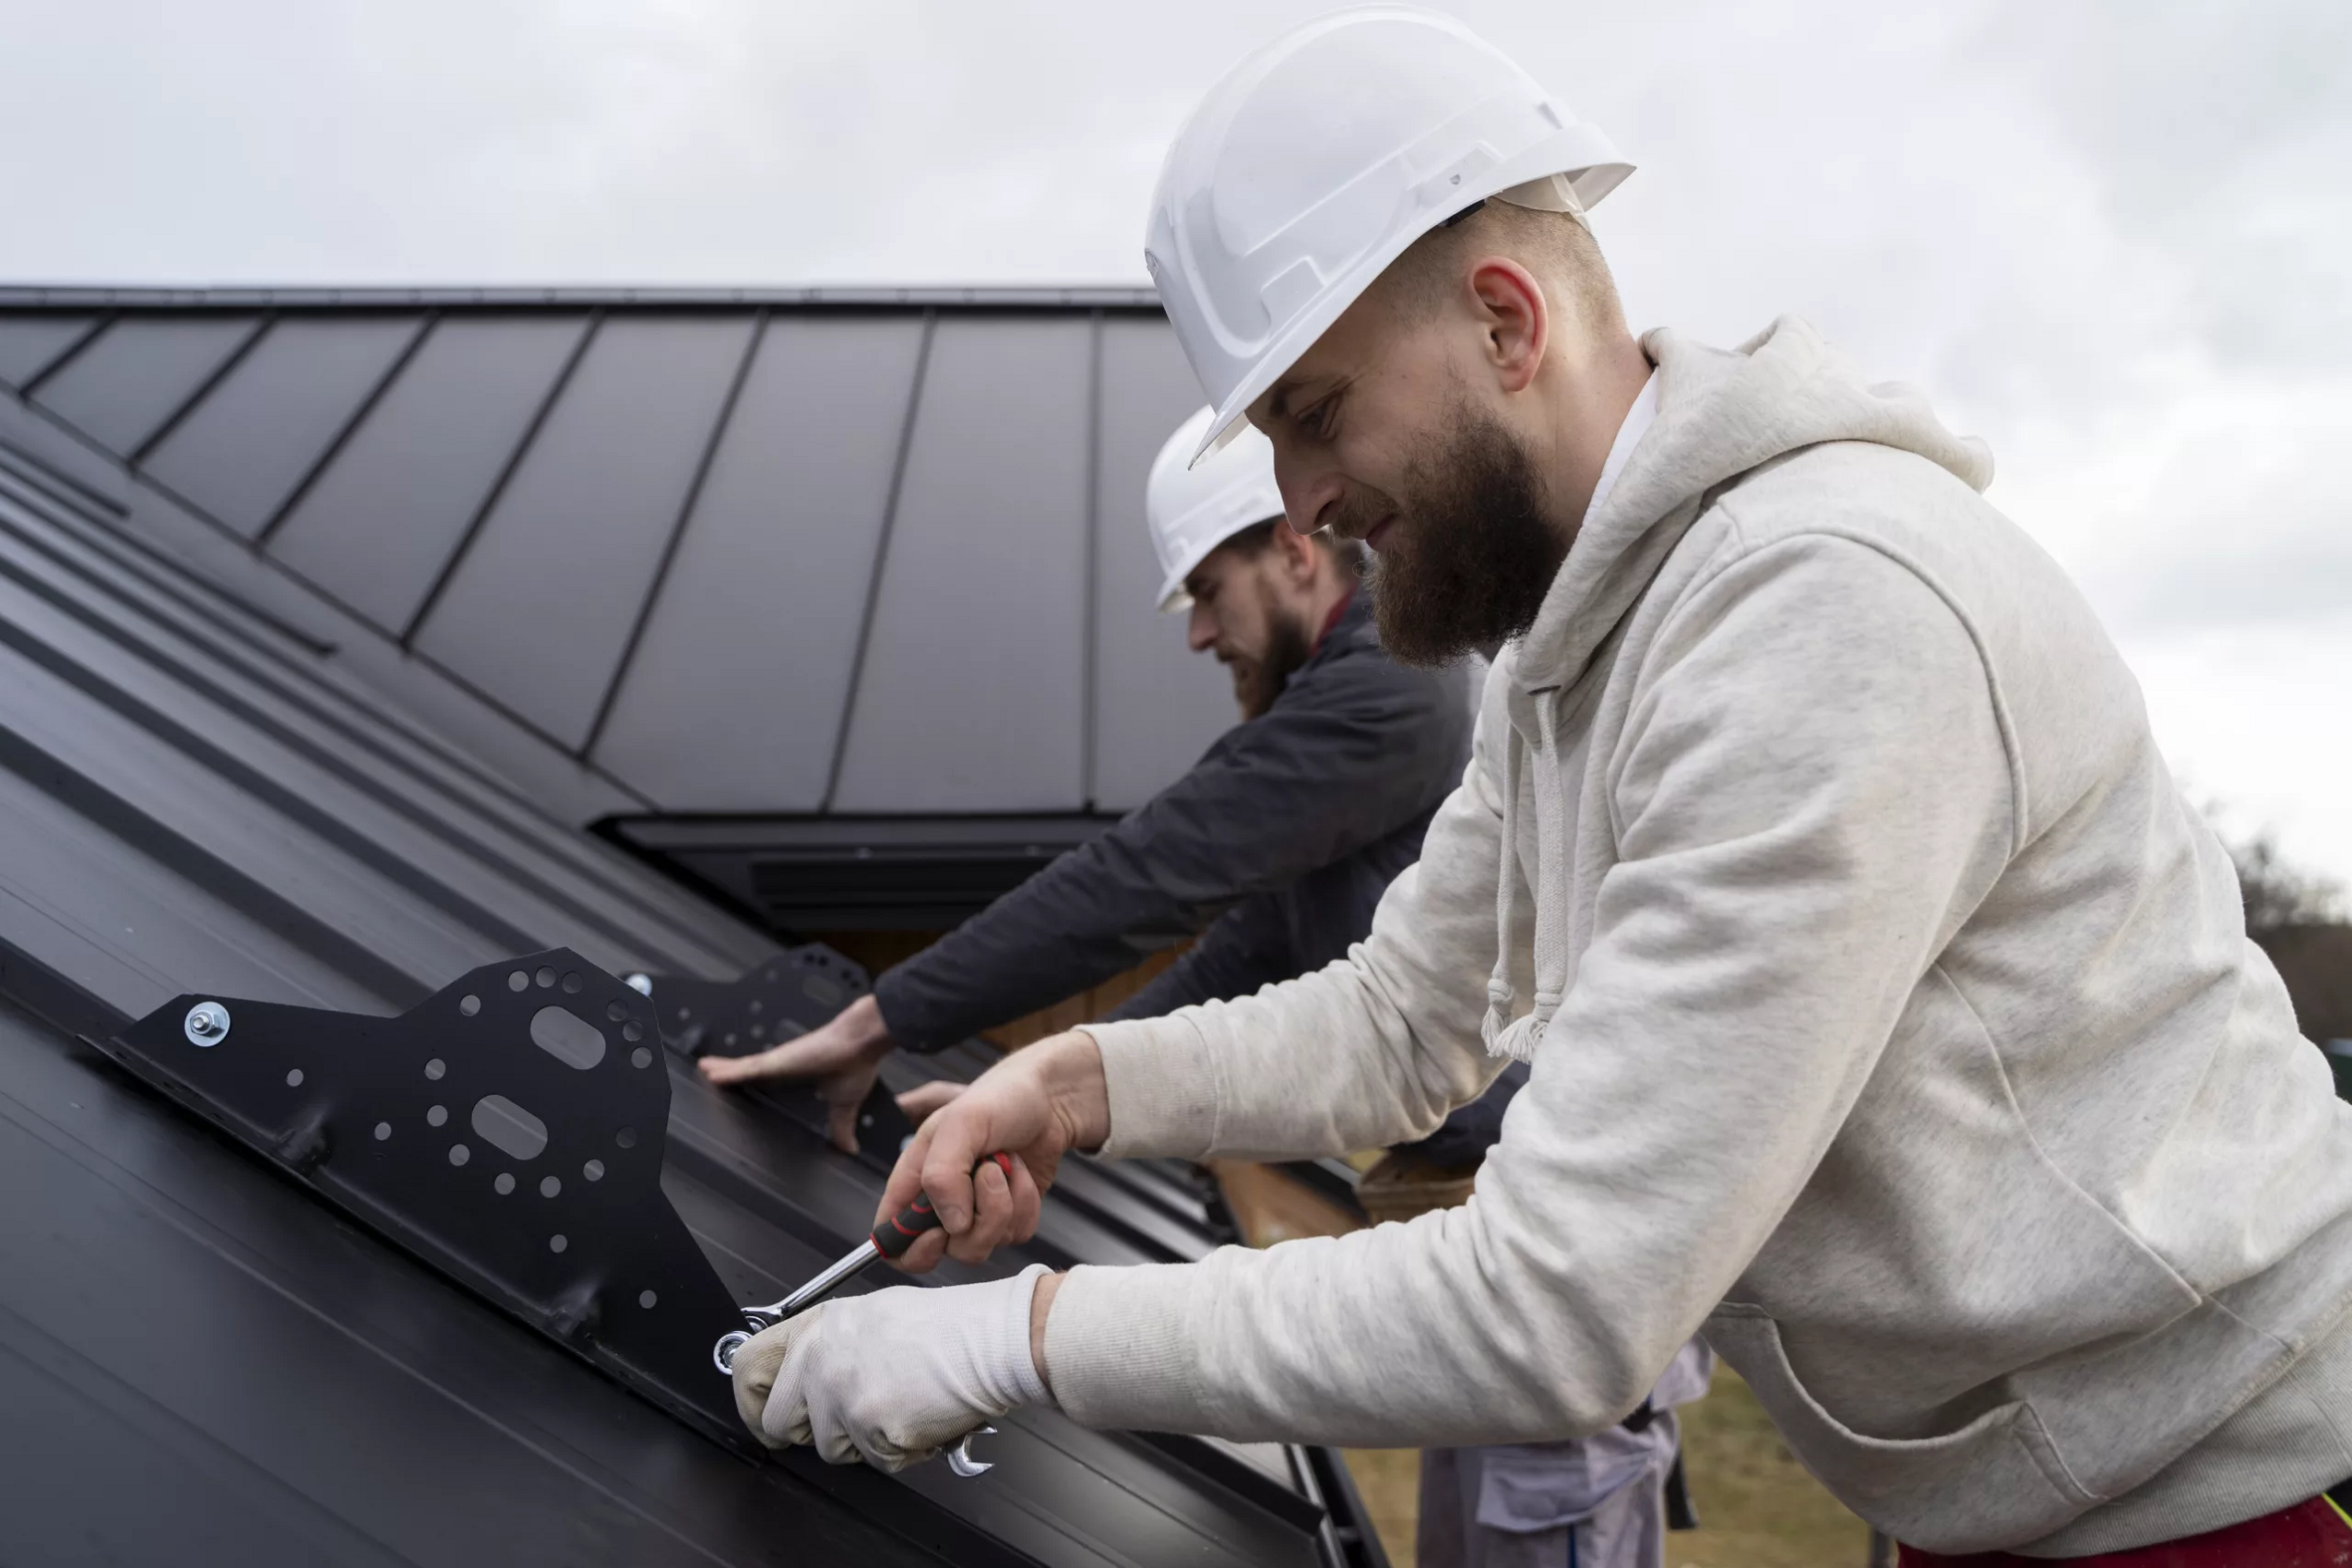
(1892, 1017)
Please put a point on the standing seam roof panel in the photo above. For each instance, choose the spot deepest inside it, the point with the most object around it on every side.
(241, 451)
(372, 751)
(30, 343)
(121, 387)
(1158, 705)
(258, 860)
(754, 632)
(294, 843)
(972, 696)
(446, 858)
(70, 878)
(377, 527)
(541, 605)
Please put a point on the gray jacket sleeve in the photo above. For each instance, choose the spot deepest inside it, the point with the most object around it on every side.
(1356, 744)
(1248, 947)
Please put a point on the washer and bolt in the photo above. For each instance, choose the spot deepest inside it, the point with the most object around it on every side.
(207, 1024)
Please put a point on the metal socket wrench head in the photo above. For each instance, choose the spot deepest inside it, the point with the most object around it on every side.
(722, 1354)
(960, 1460)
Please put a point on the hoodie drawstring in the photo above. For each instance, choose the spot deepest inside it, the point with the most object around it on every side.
(1503, 1034)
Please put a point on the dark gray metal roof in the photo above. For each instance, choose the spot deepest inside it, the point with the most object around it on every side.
(202, 1363)
(786, 552)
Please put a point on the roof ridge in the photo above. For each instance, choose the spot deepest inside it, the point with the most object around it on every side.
(83, 296)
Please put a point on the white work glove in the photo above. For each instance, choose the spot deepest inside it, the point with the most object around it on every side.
(893, 1377)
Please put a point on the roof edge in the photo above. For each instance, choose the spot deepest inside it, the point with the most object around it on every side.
(79, 296)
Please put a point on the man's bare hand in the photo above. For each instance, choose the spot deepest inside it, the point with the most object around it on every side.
(923, 1100)
(1040, 1104)
(843, 1056)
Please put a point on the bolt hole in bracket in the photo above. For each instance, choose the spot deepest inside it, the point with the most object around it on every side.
(553, 1209)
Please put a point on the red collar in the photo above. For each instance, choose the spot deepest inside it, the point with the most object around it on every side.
(1332, 619)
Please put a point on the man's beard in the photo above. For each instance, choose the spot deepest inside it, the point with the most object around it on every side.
(1257, 681)
(1469, 558)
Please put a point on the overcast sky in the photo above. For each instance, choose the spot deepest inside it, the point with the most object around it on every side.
(2114, 238)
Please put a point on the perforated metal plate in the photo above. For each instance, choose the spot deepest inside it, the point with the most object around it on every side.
(509, 1130)
(782, 999)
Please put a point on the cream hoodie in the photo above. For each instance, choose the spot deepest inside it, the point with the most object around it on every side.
(1892, 1021)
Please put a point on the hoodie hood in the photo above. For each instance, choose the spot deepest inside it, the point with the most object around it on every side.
(1720, 414)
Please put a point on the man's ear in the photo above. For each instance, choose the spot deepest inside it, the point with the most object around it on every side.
(1515, 319)
(1299, 552)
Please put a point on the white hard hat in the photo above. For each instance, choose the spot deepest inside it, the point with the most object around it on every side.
(1316, 160)
(1195, 507)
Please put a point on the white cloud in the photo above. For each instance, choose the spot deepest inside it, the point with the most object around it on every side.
(2108, 235)
(2255, 718)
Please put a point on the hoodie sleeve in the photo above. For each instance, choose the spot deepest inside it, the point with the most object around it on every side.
(1811, 790)
(1371, 1050)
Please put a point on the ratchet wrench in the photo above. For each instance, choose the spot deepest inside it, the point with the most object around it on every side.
(888, 1240)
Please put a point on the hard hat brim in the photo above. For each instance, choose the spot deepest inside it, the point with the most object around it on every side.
(1172, 596)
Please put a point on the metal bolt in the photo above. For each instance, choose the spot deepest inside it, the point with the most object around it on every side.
(207, 1024)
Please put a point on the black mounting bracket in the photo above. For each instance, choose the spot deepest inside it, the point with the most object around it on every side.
(509, 1130)
(780, 1000)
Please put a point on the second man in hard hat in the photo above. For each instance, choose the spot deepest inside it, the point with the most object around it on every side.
(1275, 848)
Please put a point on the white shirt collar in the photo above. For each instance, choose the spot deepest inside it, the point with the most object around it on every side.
(1628, 435)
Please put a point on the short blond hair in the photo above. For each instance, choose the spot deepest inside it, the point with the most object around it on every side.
(1555, 246)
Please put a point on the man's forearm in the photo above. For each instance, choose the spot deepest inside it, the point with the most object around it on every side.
(1317, 1066)
(862, 1025)
(1370, 1050)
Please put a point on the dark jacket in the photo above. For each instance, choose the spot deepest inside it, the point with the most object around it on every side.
(1275, 848)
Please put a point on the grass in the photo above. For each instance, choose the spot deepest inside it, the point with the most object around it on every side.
(1758, 1508)
(1389, 1482)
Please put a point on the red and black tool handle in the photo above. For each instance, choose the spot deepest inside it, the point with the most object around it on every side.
(895, 1235)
